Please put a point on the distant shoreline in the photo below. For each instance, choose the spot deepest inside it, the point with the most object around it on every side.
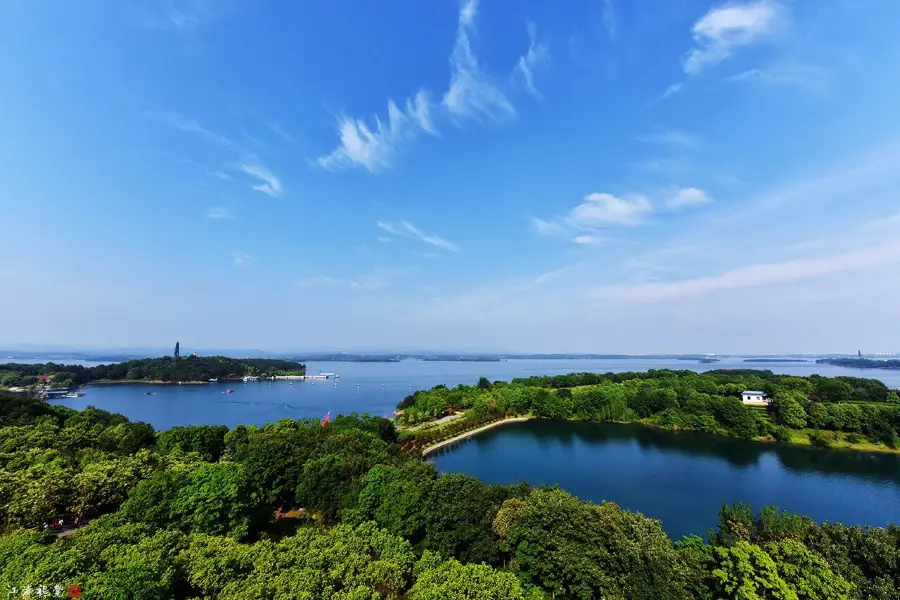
(149, 382)
(775, 360)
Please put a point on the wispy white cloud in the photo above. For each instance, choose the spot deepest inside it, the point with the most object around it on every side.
(588, 240)
(834, 182)
(600, 209)
(187, 15)
(254, 141)
(610, 23)
(548, 276)
(544, 227)
(373, 144)
(375, 279)
(537, 54)
(726, 28)
(178, 121)
(664, 164)
(220, 212)
(182, 16)
(670, 137)
(318, 280)
(754, 276)
(554, 275)
(279, 131)
(685, 197)
(270, 186)
(596, 211)
(891, 221)
(471, 92)
(418, 108)
(803, 76)
(374, 147)
(672, 90)
(407, 229)
(384, 239)
(222, 176)
(241, 259)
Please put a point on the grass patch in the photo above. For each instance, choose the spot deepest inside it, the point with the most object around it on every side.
(839, 441)
(763, 413)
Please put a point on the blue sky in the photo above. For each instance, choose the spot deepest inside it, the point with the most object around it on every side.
(595, 175)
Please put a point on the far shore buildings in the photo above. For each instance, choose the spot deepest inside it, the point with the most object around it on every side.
(755, 398)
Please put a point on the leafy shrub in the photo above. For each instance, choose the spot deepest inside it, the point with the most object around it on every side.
(855, 438)
(782, 434)
(820, 439)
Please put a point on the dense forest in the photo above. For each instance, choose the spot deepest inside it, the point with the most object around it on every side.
(168, 368)
(824, 411)
(212, 513)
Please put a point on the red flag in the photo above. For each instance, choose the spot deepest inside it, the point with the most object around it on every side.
(327, 419)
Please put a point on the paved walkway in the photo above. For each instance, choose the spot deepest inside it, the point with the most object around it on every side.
(430, 424)
(468, 434)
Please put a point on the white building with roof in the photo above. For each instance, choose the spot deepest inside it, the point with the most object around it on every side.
(755, 398)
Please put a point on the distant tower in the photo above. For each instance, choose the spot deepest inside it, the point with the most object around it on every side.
(177, 351)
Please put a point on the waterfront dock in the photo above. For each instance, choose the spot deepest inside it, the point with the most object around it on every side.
(305, 377)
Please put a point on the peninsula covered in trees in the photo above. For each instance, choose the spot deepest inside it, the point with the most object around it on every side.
(861, 363)
(186, 369)
(296, 509)
(847, 412)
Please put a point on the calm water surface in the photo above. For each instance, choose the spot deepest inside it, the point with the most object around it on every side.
(682, 478)
(371, 387)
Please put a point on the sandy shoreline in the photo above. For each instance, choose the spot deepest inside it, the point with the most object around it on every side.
(468, 434)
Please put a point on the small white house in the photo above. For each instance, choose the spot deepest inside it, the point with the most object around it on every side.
(755, 398)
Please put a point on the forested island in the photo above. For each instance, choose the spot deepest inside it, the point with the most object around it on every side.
(341, 357)
(861, 363)
(186, 369)
(775, 360)
(839, 412)
(297, 509)
(450, 358)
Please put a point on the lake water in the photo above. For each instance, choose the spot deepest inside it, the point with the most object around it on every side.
(375, 388)
(682, 478)
(679, 478)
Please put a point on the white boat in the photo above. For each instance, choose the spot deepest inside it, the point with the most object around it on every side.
(214, 380)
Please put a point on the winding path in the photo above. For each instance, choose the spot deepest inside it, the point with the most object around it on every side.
(472, 432)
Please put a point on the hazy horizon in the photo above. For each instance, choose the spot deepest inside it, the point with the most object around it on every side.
(186, 349)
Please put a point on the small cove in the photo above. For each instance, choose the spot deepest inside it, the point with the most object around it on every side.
(682, 478)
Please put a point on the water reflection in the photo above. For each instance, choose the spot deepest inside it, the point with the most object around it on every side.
(684, 477)
(736, 452)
